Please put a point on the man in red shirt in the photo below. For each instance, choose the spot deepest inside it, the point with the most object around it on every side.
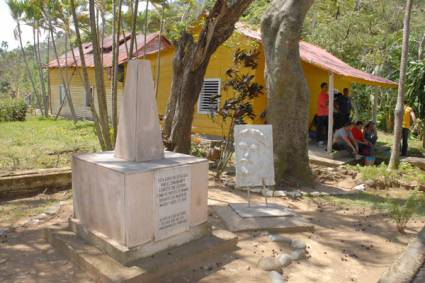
(364, 145)
(322, 113)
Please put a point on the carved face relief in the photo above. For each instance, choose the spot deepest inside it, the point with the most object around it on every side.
(254, 155)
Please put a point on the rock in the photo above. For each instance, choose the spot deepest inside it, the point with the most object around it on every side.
(267, 193)
(280, 194)
(298, 254)
(276, 277)
(53, 209)
(284, 259)
(360, 187)
(3, 235)
(281, 238)
(315, 194)
(3, 260)
(269, 264)
(298, 245)
(294, 194)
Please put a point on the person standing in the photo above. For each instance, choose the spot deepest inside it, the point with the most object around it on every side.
(408, 116)
(322, 113)
(344, 105)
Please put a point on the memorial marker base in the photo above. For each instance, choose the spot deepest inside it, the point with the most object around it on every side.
(136, 209)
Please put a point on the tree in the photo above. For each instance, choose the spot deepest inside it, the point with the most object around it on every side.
(398, 112)
(85, 77)
(100, 83)
(34, 18)
(17, 9)
(189, 66)
(288, 94)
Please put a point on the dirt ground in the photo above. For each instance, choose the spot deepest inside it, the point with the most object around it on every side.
(349, 244)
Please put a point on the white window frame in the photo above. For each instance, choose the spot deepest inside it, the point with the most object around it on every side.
(200, 111)
(62, 93)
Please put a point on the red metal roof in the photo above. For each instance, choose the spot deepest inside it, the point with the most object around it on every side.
(152, 44)
(322, 59)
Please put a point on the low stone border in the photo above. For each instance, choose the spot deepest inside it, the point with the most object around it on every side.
(299, 194)
(34, 181)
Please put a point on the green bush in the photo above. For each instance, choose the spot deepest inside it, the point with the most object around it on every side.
(401, 213)
(12, 110)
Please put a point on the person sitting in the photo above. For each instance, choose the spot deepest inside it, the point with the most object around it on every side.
(344, 140)
(363, 144)
(370, 133)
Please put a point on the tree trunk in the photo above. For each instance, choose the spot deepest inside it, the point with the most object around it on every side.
(37, 57)
(64, 80)
(85, 78)
(49, 89)
(67, 92)
(158, 57)
(288, 93)
(100, 83)
(133, 27)
(145, 29)
(189, 66)
(398, 112)
(34, 89)
(421, 48)
(116, 29)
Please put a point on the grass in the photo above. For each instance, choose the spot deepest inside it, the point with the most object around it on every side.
(376, 200)
(43, 143)
(13, 211)
(406, 173)
(385, 141)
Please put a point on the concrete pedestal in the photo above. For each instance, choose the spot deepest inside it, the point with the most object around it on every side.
(132, 210)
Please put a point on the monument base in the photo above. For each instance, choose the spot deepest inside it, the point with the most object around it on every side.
(132, 210)
(165, 266)
(125, 255)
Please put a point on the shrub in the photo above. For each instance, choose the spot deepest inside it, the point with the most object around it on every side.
(12, 110)
(401, 213)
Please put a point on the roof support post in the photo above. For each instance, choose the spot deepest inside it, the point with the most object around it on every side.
(331, 112)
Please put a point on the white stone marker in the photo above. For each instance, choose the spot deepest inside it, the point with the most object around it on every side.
(254, 155)
(139, 134)
(137, 201)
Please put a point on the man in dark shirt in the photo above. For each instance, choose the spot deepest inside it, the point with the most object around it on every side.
(344, 105)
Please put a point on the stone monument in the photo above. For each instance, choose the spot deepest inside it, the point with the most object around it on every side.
(254, 155)
(255, 169)
(139, 200)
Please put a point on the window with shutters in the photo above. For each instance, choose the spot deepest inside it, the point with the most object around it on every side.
(62, 94)
(209, 97)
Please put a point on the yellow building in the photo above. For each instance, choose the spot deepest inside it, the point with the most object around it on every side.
(319, 66)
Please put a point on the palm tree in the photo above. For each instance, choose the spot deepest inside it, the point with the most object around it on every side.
(17, 10)
(54, 9)
(33, 18)
(100, 83)
(398, 112)
(85, 76)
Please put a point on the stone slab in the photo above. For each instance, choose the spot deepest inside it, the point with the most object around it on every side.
(126, 255)
(104, 268)
(271, 210)
(236, 223)
(254, 155)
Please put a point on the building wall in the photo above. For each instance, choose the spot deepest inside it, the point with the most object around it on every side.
(220, 62)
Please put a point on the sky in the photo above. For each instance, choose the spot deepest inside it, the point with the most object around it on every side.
(8, 25)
